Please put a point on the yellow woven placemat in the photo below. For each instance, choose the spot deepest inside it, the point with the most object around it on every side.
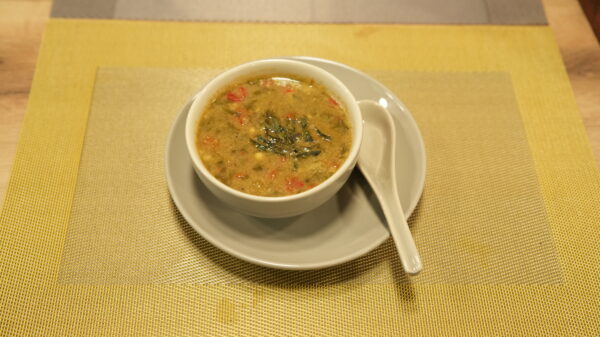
(481, 218)
(36, 214)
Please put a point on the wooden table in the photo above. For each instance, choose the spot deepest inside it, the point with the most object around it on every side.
(22, 24)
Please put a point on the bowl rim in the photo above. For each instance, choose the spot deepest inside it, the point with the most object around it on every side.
(211, 87)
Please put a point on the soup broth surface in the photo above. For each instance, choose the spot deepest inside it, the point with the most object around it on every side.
(274, 135)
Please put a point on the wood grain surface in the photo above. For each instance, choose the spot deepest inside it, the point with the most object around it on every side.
(22, 24)
(581, 55)
(21, 28)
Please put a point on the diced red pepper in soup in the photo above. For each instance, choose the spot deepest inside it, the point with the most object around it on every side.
(237, 95)
(332, 101)
(294, 184)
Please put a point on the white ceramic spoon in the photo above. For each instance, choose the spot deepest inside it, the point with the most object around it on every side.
(377, 163)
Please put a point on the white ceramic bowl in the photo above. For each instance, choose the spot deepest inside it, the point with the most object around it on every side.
(285, 206)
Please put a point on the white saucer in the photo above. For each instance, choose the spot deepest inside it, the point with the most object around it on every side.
(344, 228)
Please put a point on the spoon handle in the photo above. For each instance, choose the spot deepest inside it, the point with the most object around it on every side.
(398, 227)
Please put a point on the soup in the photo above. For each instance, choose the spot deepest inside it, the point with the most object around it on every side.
(274, 135)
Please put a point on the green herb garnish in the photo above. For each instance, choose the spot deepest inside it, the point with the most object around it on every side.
(305, 133)
(292, 139)
(322, 135)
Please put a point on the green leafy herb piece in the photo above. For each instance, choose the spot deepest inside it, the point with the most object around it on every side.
(322, 135)
(308, 153)
(304, 122)
(307, 137)
(229, 111)
(286, 140)
(305, 134)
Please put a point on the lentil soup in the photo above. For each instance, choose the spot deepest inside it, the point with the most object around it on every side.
(274, 135)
